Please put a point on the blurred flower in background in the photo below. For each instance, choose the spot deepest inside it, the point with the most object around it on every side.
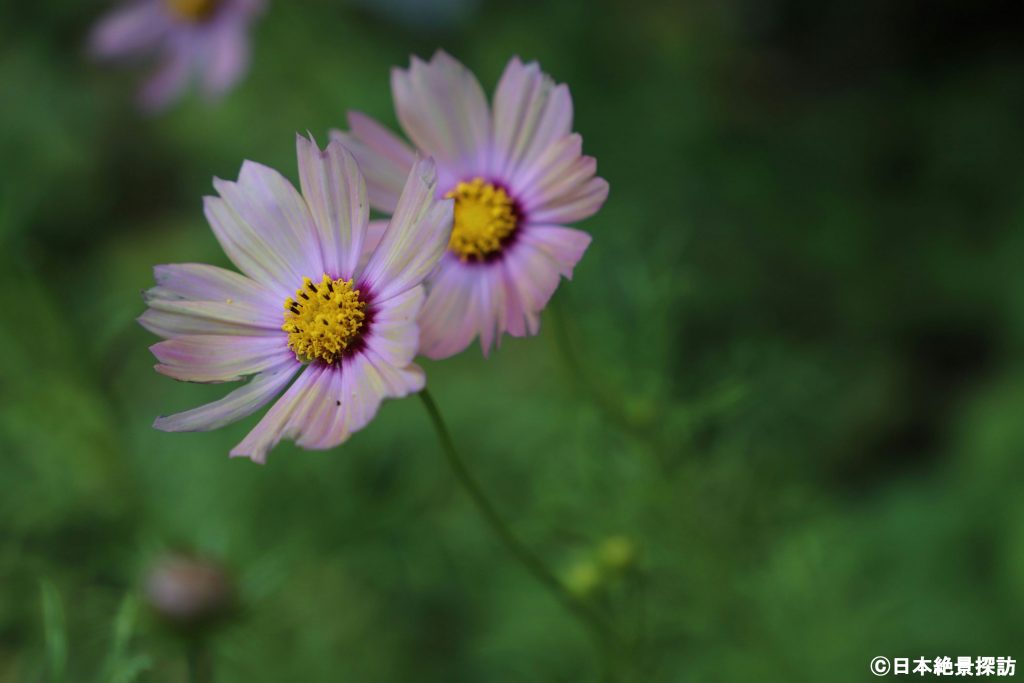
(347, 329)
(517, 175)
(187, 591)
(206, 40)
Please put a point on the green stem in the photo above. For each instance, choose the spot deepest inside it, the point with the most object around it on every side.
(639, 425)
(586, 614)
(196, 660)
(598, 394)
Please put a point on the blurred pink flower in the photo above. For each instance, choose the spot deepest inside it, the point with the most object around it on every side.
(203, 39)
(188, 591)
(517, 175)
(309, 303)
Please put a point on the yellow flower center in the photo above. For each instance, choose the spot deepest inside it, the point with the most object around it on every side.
(323, 319)
(193, 10)
(485, 218)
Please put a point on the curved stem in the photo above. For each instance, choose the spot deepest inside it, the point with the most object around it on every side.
(533, 564)
(598, 394)
(639, 425)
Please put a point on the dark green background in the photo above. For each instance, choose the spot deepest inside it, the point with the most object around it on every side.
(804, 305)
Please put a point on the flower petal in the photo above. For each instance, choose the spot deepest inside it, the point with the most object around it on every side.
(202, 282)
(374, 234)
(397, 381)
(239, 403)
(487, 300)
(384, 158)
(272, 224)
(394, 334)
(532, 269)
(350, 397)
(415, 238)
(170, 78)
(277, 423)
(531, 113)
(447, 324)
(246, 249)
(565, 246)
(227, 58)
(173, 317)
(582, 202)
(135, 27)
(217, 358)
(443, 109)
(323, 422)
(336, 195)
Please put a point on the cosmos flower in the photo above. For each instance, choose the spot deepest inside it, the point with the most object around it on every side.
(517, 175)
(204, 39)
(305, 306)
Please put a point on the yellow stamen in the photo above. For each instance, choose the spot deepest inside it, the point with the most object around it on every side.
(323, 319)
(485, 218)
(193, 10)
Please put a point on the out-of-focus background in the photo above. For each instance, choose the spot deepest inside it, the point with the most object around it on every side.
(793, 395)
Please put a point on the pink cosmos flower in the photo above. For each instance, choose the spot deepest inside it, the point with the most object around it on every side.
(206, 39)
(306, 304)
(517, 175)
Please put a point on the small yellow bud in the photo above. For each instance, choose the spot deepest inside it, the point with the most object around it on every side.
(616, 553)
(583, 578)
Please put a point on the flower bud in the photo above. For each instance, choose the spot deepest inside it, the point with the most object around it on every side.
(583, 578)
(188, 592)
(616, 553)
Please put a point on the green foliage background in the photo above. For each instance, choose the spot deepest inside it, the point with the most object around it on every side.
(803, 304)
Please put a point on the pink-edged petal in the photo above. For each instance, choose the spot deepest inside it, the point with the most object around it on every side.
(443, 109)
(202, 282)
(532, 269)
(239, 403)
(227, 58)
(384, 159)
(565, 246)
(559, 171)
(323, 418)
(274, 259)
(582, 202)
(350, 402)
(216, 358)
(247, 249)
(351, 396)
(336, 195)
(277, 423)
(470, 300)
(374, 234)
(415, 238)
(170, 79)
(173, 317)
(274, 217)
(489, 308)
(136, 27)
(520, 321)
(394, 335)
(396, 381)
(531, 113)
(446, 325)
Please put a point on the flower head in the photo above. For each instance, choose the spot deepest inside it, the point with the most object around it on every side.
(311, 303)
(206, 39)
(517, 175)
